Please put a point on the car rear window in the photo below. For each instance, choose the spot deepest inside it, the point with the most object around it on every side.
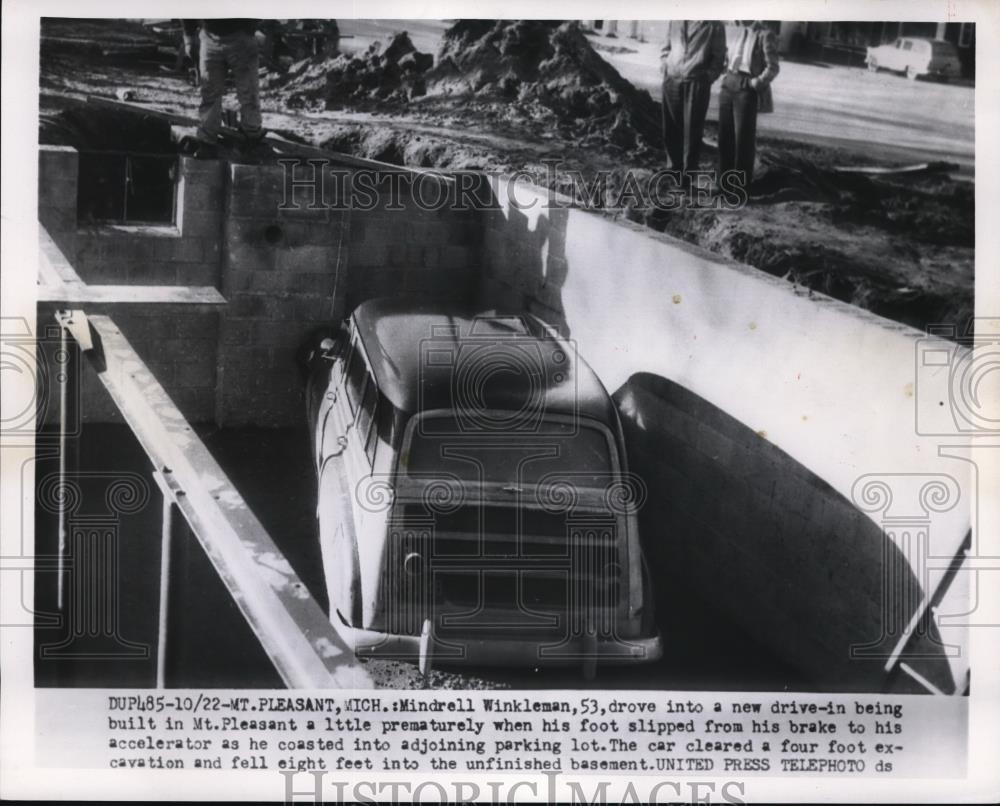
(581, 453)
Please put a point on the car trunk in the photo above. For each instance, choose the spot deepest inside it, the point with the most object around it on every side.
(487, 569)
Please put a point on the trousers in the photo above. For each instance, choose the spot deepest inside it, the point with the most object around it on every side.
(217, 54)
(684, 106)
(737, 126)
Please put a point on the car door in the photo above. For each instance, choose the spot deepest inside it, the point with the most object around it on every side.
(906, 55)
(337, 535)
(894, 57)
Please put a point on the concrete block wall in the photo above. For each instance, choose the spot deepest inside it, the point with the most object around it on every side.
(281, 269)
(185, 253)
(286, 270)
(177, 342)
(58, 170)
(821, 388)
(413, 250)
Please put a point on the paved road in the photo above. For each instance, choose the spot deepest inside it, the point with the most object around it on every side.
(887, 115)
(883, 115)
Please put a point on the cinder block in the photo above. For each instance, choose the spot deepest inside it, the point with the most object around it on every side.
(269, 281)
(201, 197)
(241, 204)
(235, 281)
(244, 178)
(58, 220)
(242, 256)
(196, 371)
(320, 283)
(330, 233)
(281, 308)
(56, 164)
(397, 254)
(247, 305)
(182, 249)
(310, 310)
(357, 230)
(203, 171)
(195, 325)
(151, 273)
(235, 332)
(308, 259)
(154, 327)
(456, 257)
(369, 253)
(206, 224)
(431, 256)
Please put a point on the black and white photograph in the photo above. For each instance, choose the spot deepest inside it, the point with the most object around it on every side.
(422, 399)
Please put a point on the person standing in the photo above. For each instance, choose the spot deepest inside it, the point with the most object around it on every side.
(225, 44)
(692, 59)
(751, 65)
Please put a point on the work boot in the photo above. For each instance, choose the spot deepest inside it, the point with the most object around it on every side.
(254, 149)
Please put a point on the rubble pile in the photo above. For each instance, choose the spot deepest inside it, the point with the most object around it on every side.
(543, 73)
(393, 74)
(547, 71)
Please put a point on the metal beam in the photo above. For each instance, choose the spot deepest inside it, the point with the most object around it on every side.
(297, 636)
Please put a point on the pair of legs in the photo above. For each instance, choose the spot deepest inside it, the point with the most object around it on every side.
(236, 52)
(684, 106)
(737, 126)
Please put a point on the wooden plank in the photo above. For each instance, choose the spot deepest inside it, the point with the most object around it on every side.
(84, 294)
(297, 636)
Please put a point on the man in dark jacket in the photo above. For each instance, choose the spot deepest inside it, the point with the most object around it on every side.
(692, 58)
(751, 65)
(225, 44)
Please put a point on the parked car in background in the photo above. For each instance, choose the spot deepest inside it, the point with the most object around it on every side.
(916, 57)
(474, 501)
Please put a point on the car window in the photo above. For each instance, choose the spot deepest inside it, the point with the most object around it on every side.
(907, 46)
(899, 43)
(583, 454)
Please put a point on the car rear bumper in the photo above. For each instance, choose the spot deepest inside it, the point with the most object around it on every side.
(571, 651)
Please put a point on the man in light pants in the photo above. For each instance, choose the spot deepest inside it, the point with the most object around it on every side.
(225, 44)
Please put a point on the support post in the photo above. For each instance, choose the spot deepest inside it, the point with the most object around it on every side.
(68, 380)
(166, 554)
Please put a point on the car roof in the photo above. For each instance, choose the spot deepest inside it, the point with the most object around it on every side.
(428, 354)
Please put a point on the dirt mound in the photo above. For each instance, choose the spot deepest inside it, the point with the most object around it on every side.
(542, 72)
(393, 74)
(550, 69)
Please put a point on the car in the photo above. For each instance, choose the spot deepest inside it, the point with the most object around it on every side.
(916, 57)
(473, 495)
